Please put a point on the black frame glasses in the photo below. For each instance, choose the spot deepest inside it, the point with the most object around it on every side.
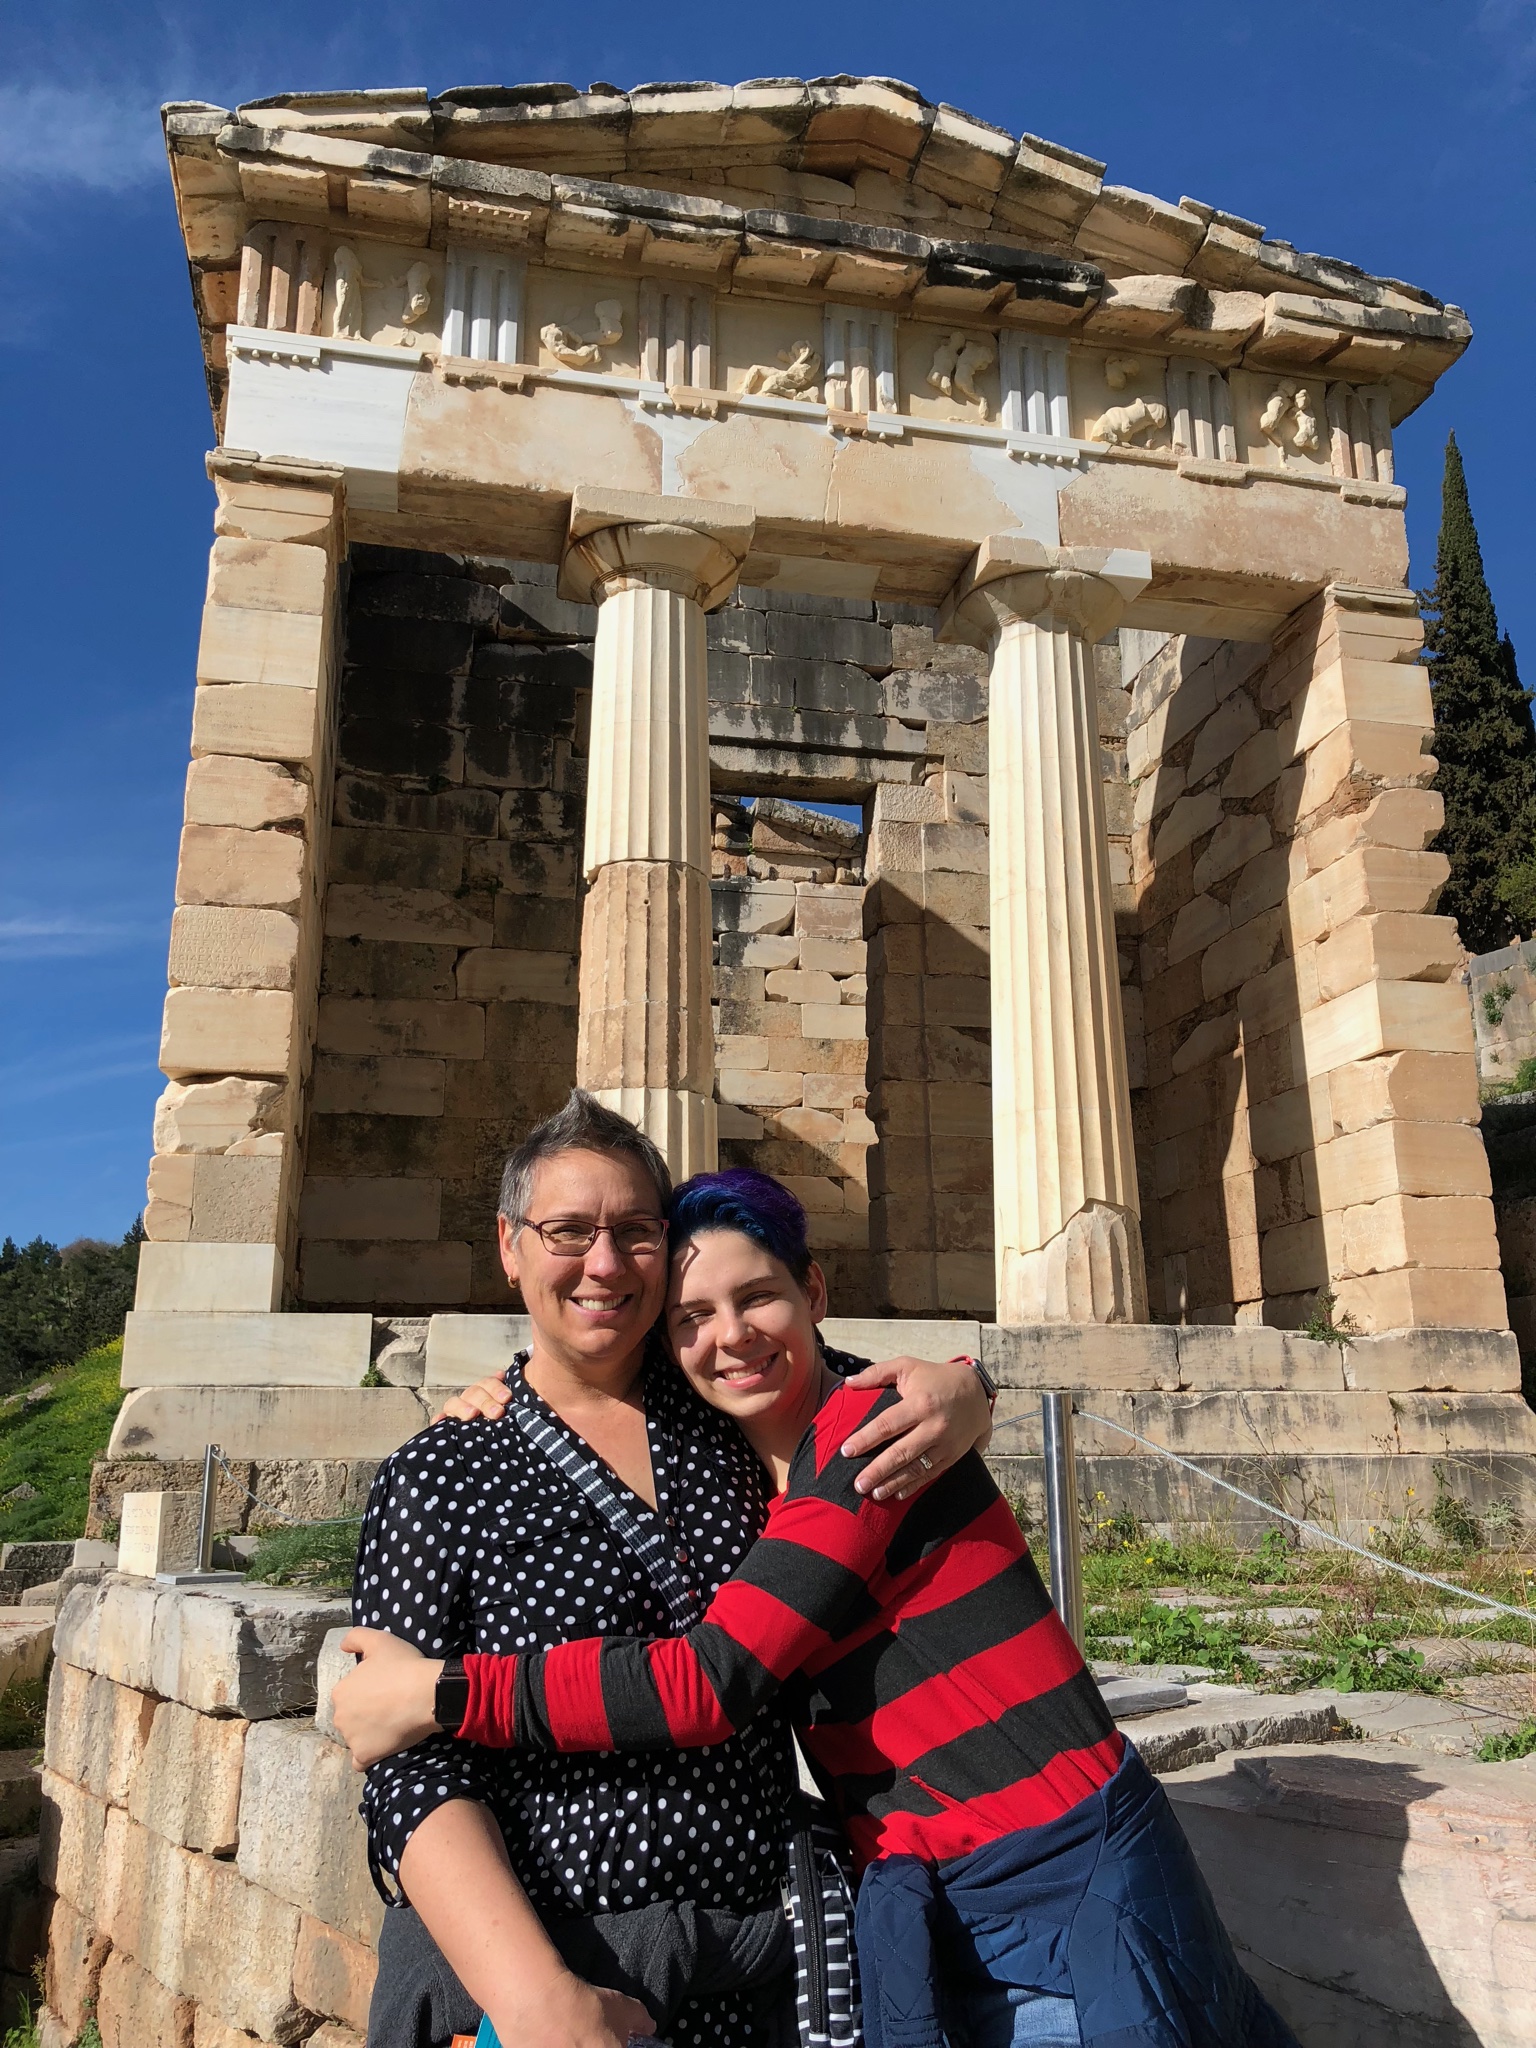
(632, 1239)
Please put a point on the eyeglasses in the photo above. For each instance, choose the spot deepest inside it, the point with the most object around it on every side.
(570, 1238)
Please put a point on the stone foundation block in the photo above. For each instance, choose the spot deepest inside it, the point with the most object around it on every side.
(135, 2010)
(300, 1834)
(97, 1730)
(253, 1655)
(222, 790)
(210, 2032)
(209, 1277)
(188, 1786)
(76, 1953)
(144, 1902)
(1425, 1298)
(1425, 1361)
(124, 1648)
(461, 1349)
(333, 1974)
(1047, 1355)
(240, 1946)
(1375, 1892)
(185, 1348)
(271, 1422)
(226, 1031)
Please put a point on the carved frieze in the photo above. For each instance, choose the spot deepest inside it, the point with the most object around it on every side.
(582, 349)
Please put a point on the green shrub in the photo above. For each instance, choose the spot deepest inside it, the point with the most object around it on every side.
(319, 1554)
(1510, 1748)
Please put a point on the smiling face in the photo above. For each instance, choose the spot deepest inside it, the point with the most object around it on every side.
(742, 1327)
(591, 1312)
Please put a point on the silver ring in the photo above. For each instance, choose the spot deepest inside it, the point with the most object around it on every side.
(925, 1461)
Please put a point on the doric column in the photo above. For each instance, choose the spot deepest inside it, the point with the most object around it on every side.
(654, 567)
(1068, 1234)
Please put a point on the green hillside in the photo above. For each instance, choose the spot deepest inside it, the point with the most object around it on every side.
(47, 1443)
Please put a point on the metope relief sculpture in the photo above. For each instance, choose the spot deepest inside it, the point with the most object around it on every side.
(957, 362)
(1122, 426)
(796, 375)
(346, 289)
(1119, 370)
(418, 295)
(1288, 413)
(585, 351)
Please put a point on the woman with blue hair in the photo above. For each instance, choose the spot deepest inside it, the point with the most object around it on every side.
(1022, 1877)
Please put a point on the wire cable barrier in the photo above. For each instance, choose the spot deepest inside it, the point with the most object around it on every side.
(282, 1514)
(1309, 1528)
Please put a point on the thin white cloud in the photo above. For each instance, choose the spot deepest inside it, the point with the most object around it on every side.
(45, 938)
(61, 1070)
(91, 136)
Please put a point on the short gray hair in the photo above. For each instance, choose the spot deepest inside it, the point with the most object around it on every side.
(584, 1125)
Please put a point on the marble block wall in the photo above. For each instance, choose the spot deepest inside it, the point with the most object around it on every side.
(1305, 1087)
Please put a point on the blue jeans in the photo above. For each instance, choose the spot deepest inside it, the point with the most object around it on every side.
(1007, 2016)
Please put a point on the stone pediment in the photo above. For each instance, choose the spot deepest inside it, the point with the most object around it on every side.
(839, 188)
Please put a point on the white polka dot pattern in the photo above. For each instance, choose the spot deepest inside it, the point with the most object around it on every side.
(472, 1541)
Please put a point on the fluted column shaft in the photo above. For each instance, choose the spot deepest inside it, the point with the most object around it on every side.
(1068, 1235)
(644, 1044)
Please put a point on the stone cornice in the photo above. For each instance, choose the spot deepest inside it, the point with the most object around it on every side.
(1191, 280)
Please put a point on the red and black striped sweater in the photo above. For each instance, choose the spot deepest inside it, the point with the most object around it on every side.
(938, 1696)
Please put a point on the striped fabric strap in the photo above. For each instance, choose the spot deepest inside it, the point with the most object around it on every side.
(646, 1542)
(826, 1977)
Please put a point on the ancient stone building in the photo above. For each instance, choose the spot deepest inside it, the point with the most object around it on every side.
(607, 485)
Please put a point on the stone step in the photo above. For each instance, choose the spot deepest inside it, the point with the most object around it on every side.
(1377, 1893)
(1218, 1718)
(26, 1637)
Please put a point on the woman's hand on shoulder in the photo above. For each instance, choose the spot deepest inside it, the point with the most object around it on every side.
(485, 1401)
(385, 1702)
(943, 1413)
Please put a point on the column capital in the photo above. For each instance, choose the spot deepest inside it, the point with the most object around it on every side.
(617, 539)
(1012, 578)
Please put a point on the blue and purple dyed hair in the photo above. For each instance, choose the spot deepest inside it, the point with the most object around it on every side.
(756, 1204)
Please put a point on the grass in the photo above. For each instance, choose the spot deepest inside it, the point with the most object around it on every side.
(49, 1445)
(23, 1710)
(322, 1555)
(1509, 1749)
(1361, 1619)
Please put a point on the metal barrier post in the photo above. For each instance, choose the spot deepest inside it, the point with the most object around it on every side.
(1063, 1532)
(205, 1515)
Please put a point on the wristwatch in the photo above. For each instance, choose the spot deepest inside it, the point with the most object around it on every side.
(450, 1702)
(988, 1384)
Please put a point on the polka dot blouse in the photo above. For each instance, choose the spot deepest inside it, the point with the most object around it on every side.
(474, 1541)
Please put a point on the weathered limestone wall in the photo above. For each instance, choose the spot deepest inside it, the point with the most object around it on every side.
(1308, 1115)
(201, 1845)
(237, 1040)
(447, 1019)
(1502, 986)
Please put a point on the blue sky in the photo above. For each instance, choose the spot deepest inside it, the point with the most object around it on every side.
(1396, 135)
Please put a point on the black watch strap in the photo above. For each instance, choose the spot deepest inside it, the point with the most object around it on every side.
(451, 1701)
(988, 1383)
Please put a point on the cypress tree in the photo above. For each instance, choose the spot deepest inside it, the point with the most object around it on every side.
(1484, 738)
